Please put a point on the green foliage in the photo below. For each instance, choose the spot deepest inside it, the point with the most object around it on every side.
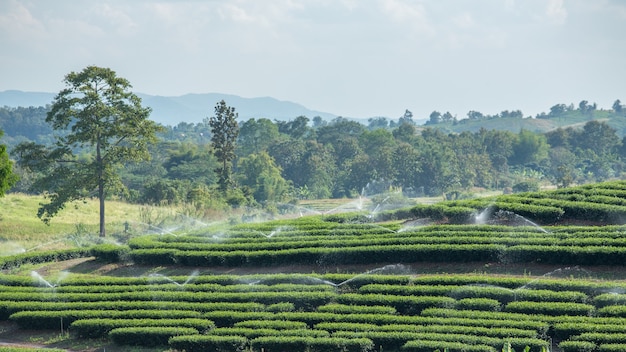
(526, 186)
(42, 257)
(577, 346)
(98, 328)
(110, 253)
(108, 127)
(224, 129)
(295, 343)
(202, 343)
(7, 177)
(148, 336)
(260, 173)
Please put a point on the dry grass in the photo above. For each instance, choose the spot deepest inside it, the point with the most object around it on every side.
(21, 229)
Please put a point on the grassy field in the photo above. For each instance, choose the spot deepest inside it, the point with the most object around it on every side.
(21, 229)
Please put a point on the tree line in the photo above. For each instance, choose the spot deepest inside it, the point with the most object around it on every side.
(98, 135)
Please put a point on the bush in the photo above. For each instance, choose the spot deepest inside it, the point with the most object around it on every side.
(109, 253)
(577, 346)
(97, 328)
(203, 343)
(148, 336)
(430, 346)
(526, 186)
(549, 308)
(612, 347)
(294, 343)
(484, 304)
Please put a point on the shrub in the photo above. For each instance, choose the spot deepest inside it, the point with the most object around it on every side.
(612, 347)
(271, 324)
(109, 253)
(430, 346)
(97, 328)
(148, 336)
(577, 346)
(203, 343)
(484, 304)
(526, 186)
(549, 308)
(294, 343)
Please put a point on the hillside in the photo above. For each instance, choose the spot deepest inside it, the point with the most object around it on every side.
(572, 119)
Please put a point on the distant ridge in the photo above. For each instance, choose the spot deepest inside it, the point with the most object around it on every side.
(190, 108)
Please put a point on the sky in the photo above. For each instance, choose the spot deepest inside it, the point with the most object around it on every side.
(353, 58)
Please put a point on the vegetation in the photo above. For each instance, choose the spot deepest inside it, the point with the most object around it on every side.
(333, 308)
(106, 124)
(271, 162)
(7, 177)
(224, 131)
(332, 276)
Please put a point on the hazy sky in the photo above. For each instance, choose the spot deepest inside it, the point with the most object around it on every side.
(348, 57)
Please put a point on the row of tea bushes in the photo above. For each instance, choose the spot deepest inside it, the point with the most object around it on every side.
(390, 311)
(600, 202)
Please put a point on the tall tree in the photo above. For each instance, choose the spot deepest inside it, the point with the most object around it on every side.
(224, 129)
(105, 122)
(7, 177)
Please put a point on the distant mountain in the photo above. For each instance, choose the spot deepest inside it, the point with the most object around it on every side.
(15, 98)
(191, 108)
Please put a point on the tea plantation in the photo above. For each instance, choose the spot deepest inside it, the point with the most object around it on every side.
(390, 306)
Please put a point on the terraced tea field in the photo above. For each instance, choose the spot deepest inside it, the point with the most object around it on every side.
(388, 304)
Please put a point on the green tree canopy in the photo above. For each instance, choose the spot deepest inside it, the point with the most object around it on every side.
(107, 126)
(7, 177)
(224, 129)
(260, 173)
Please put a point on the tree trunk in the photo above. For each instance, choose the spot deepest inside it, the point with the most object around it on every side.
(100, 188)
(101, 197)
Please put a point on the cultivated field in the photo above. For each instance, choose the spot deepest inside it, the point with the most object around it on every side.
(536, 272)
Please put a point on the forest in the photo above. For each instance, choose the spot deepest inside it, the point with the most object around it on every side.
(284, 161)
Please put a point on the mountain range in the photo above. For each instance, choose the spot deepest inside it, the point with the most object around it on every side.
(190, 108)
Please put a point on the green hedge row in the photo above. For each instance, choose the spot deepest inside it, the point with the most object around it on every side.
(38, 257)
(251, 333)
(430, 346)
(148, 336)
(7, 308)
(600, 337)
(203, 343)
(453, 313)
(612, 311)
(452, 329)
(406, 305)
(39, 320)
(489, 252)
(97, 328)
(564, 331)
(356, 309)
(296, 343)
(394, 340)
(271, 324)
(550, 308)
(300, 300)
(502, 294)
(327, 256)
(228, 318)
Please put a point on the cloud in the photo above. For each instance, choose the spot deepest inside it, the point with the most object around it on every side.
(17, 23)
(556, 12)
